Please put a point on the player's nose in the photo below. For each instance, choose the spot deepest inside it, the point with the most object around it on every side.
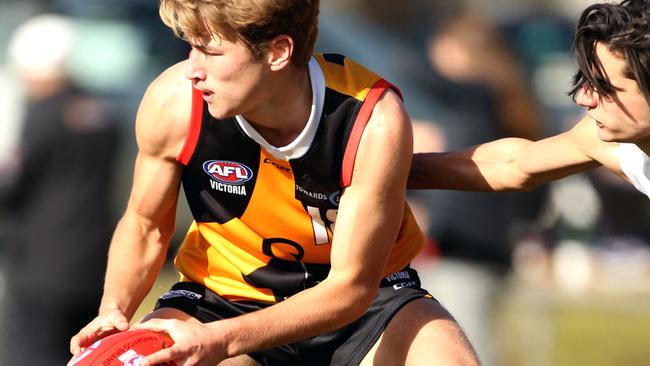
(195, 69)
(587, 97)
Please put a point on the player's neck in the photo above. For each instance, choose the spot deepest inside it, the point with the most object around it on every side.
(284, 116)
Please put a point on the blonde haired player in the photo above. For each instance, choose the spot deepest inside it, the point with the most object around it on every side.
(300, 247)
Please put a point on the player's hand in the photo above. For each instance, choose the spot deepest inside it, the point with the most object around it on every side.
(106, 323)
(194, 343)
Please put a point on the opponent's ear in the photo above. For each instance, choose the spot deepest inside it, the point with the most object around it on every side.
(280, 51)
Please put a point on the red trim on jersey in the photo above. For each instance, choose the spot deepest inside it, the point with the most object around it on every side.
(360, 123)
(195, 128)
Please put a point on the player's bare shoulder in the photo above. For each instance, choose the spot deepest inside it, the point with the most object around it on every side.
(163, 116)
(585, 135)
(387, 140)
(390, 123)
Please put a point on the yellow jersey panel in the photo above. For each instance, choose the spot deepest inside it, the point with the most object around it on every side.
(347, 76)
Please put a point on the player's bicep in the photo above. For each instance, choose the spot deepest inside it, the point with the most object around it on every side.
(160, 128)
(155, 189)
(555, 157)
(371, 208)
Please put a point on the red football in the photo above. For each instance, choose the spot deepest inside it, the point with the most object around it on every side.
(123, 349)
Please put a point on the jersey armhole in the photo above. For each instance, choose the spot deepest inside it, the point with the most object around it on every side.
(195, 128)
(350, 154)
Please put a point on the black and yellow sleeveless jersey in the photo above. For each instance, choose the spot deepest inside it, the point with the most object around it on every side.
(263, 221)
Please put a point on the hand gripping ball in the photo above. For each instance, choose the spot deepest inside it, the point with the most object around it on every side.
(123, 349)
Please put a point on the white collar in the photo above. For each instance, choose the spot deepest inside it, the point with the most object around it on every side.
(298, 147)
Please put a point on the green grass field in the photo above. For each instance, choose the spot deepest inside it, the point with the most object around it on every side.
(601, 336)
(538, 327)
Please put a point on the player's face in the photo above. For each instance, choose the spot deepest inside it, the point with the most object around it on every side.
(623, 117)
(231, 78)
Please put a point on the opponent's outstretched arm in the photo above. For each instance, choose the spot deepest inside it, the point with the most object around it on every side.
(515, 164)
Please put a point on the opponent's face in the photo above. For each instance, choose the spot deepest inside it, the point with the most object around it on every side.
(230, 77)
(624, 116)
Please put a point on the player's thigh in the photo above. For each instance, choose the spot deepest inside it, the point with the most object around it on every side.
(422, 333)
(242, 360)
(171, 313)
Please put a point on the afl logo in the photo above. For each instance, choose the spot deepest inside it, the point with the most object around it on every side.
(228, 172)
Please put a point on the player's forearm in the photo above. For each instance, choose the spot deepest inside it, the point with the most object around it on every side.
(500, 165)
(368, 224)
(459, 170)
(326, 307)
(448, 170)
(136, 256)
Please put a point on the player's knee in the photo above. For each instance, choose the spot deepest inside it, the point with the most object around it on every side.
(451, 346)
(442, 339)
(424, 333)
(167, 313)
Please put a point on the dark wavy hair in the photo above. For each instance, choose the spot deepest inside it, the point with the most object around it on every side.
(625, 29)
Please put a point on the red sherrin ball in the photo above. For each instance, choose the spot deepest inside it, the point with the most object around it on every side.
(123, 349)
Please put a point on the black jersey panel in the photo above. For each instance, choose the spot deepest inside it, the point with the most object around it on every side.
(317, 174)
(334, 58)
(221, 175)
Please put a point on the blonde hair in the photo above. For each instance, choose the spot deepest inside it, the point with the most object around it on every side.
(255, 22)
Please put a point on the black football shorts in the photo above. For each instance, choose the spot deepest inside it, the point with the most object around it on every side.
(345, 346)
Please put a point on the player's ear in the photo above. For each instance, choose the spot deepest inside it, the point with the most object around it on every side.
(280, 50)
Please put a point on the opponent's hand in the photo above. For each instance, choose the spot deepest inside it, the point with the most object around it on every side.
(106, 323)
(194, 343)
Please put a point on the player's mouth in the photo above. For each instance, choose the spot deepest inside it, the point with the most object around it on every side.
(208, 96)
